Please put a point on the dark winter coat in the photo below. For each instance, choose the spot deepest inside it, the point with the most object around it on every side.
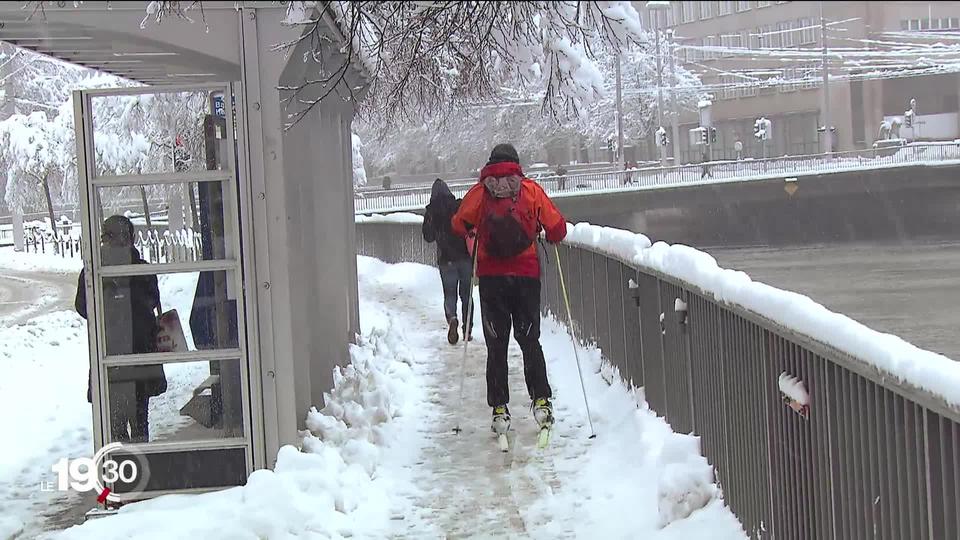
(130, 324)
(436, 225)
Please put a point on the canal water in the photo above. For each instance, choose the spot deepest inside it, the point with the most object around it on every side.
(910, 290)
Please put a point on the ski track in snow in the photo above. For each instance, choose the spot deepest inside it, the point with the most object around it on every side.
(470, 487)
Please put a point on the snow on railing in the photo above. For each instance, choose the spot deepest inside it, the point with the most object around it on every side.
(572, 185)
(168, 247)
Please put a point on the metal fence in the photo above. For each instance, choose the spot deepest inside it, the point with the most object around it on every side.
(414, 198)
(869, 458)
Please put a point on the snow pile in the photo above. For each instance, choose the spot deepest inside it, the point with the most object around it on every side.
(39, 262)
(364, 398)
(910, 364)
(637, 466)
(686, 482)
(331, 489)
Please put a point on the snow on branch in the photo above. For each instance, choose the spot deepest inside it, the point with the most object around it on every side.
(427, 59)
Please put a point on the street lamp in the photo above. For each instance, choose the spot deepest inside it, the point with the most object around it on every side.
(653, 7)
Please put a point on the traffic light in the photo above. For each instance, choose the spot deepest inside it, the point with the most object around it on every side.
(703, 136)
(908, 118)
(758, 128)
(713, 135)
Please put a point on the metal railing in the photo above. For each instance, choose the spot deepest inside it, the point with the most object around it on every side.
(870, 457)
(415, 198)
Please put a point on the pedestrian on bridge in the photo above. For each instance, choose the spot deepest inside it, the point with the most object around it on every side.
(508, 211)
(453, 258)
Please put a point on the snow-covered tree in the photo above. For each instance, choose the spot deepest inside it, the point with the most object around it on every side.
(33, 155)
(359, 173)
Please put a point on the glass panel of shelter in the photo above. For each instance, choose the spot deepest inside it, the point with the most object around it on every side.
(169, 346)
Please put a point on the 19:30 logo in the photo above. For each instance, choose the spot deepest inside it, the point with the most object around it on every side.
(86, 474)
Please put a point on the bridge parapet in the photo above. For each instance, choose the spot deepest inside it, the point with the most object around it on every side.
(817, 426)
(573, 185)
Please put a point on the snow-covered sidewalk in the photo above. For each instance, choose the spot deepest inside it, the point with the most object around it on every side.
(636, 475)
(381, 460)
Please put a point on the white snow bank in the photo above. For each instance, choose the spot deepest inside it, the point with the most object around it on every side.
(42, 360)
(908, 363)
(330, 489)
(39, 262)
(398, 217)
(617, 243)
(637, 466)
(43, 396)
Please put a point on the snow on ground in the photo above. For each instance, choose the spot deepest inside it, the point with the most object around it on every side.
(39, 262)
(45, 413)
(380, 459)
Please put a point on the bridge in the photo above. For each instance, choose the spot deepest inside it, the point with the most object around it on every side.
(854, 196)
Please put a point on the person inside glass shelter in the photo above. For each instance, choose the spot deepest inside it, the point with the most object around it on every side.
(131, 305)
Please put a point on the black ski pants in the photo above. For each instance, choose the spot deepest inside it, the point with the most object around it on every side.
(507, 301)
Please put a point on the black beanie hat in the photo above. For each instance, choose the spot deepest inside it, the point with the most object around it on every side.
(503, 152)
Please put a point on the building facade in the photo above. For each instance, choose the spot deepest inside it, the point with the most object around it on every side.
(764, 58)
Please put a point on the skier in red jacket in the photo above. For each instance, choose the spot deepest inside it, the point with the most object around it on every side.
(507, 211)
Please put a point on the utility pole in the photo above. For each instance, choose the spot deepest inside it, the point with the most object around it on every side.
(674, 113)
(619, 152)
(827, 133)
(661, 148)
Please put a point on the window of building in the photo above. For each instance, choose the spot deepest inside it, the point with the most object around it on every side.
(786, 34)
(748, 88)
(742, 6)
(706, 10)
(715, 41)
(725, 8)
(745, 40)
(808, 31)
(687, 12)
(763, 3)
(729, 41)
(676, 12)
(767, 37)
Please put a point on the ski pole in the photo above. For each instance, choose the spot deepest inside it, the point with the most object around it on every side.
(469, 325)
(573, 335)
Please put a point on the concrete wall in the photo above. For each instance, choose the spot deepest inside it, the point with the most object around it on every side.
(304, 262)
(888, 205)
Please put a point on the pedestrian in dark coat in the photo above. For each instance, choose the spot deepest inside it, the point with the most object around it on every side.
(453, 258)
(130, 308)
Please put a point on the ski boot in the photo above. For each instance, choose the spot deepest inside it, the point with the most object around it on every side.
(543, 414)
(501, 420)
(500, 426)
(452, 336)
